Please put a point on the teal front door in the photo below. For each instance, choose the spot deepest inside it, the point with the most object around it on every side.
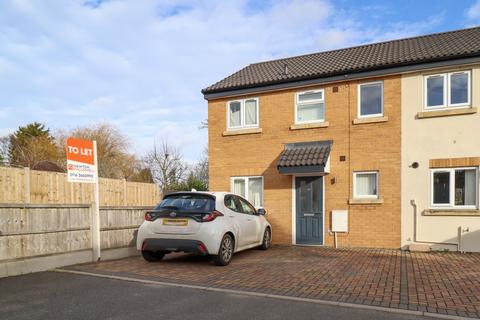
(309, 210)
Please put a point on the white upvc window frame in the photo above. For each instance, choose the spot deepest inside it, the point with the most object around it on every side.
(359, 100)
(452, 205)
(297, 103)
(446, 91)
(245, 179)
(243, 124)
(377, 176)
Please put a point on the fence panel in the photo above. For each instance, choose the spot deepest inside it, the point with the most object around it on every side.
(31, 186)
(12, 185)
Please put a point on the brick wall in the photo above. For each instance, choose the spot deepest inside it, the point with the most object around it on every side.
(367, 146)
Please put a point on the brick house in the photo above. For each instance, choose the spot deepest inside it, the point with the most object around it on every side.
(313, 136)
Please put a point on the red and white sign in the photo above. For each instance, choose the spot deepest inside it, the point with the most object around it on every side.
(81, 161)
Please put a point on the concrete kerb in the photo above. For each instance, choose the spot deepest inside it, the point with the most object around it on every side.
(271, 296)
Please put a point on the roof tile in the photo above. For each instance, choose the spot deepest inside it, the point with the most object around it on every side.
(428, 48)
(305, 154)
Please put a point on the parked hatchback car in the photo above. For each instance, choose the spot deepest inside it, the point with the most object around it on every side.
(207, 223)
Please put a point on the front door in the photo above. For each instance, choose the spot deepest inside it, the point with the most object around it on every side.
(309, 210)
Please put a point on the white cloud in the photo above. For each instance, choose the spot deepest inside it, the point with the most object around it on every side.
(101, 102)
(473, 12)
(141, 65)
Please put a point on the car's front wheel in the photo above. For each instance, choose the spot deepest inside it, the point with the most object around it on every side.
(152, 256)
(225, 252)
(267, 239)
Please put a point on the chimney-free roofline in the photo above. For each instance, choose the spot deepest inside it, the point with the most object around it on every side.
(342, 77)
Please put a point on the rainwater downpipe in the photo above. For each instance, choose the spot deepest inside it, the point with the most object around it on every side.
(459, 234)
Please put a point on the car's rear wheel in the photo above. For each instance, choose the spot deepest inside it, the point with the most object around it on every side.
(225, 252)
(267, 239)
(152, 256)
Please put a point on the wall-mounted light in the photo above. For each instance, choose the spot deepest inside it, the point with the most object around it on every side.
(333, 180)
(414, 165)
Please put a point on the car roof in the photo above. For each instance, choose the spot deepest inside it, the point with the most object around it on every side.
(216, 193)
(219, 195)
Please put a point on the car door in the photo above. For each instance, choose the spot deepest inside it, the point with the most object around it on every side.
(252, 221)
(238, 219)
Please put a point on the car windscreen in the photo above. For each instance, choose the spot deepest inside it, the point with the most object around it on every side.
(188, 203)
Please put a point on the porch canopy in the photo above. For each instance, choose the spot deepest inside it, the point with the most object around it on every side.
(305, 158)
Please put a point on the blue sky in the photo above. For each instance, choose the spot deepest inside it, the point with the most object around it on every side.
(140, 64)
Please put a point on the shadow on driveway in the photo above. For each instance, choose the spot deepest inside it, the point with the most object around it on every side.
(445, 283)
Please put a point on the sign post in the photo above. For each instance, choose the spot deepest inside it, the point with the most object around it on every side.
(82, 166)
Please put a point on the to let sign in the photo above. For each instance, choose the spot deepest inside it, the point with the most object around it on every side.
(81, 161)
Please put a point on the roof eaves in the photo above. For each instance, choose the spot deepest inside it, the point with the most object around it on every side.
(206, 91)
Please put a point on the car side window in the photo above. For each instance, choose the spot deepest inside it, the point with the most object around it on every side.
(246, 206)
(232, 203)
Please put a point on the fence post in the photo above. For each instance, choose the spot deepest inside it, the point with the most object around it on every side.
(96, 235)
(26, 172)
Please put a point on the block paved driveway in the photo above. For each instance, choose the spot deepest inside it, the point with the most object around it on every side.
(445, 283)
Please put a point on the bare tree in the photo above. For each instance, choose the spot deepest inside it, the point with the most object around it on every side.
(137, 170)
(31, 144)
(203, 124)
(200, 170)
(114, 158)
(4, 147)
(32, 150)
(166, 165)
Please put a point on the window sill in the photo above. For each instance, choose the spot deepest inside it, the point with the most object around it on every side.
(365, 201)
(451, 212)
(241, 131)
(446, 113)
(312, 125)
(370, 120)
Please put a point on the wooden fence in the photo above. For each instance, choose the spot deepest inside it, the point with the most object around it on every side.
(38, 237)
(30, 186)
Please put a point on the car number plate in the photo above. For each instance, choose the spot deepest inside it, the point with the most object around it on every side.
(175, 222)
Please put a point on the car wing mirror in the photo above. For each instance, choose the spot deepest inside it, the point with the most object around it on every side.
(261, 211)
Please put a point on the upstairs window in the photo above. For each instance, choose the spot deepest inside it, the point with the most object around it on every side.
(447, 90)
(370, 101)
(310, 106)
(454, 187)
(242, 113)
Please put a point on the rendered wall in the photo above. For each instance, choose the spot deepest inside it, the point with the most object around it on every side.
(455, 136)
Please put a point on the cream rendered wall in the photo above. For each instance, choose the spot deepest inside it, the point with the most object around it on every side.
(433, 138)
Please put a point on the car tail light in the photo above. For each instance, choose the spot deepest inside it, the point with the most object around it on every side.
(202, 248)
(212, 216)
(150, 216)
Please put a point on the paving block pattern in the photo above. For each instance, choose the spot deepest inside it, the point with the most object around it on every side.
(444, 283)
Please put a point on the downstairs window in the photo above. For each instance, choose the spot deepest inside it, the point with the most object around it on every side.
(454, 187)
